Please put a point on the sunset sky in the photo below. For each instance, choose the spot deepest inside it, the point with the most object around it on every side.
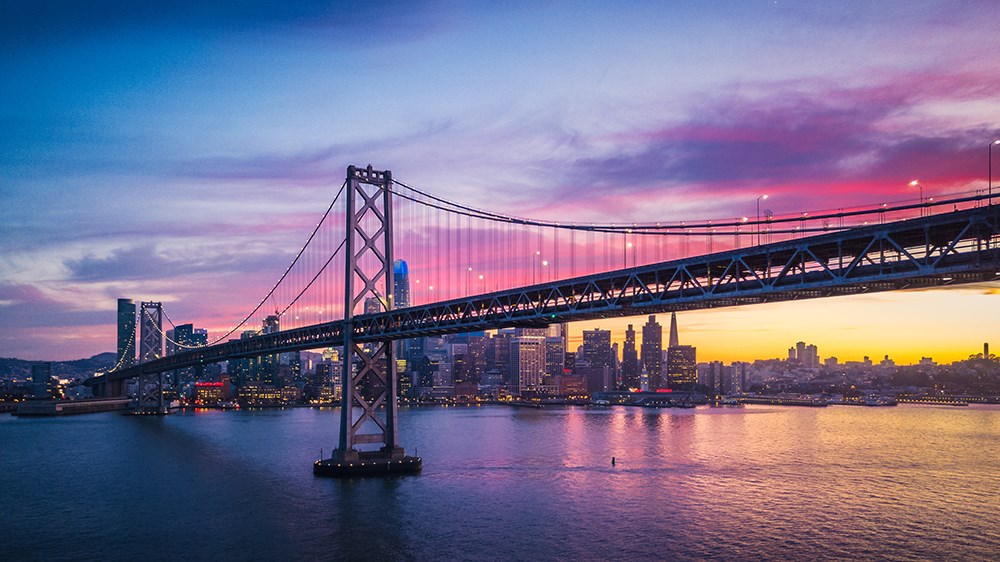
(163, 151)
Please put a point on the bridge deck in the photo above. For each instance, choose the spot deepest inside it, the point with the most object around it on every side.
(952, 248)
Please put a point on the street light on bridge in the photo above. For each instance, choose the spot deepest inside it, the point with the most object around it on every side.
(916, 183)
(990, 160)
(758, 216)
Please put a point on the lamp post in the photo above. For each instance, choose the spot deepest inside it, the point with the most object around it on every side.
(990, 159)
(916, 183)
(758, 217)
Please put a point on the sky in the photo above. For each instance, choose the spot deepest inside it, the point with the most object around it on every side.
(165, 151)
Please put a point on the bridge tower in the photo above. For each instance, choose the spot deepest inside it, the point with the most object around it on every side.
(149, 395)
(368, 405)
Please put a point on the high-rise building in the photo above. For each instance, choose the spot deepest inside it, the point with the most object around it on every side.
(527, 361)
(597, 347)
(41, 378)
(555, 356)
(126, 333)
(181, 338)
(630, 360)
(242, 371)
(812, 356)
(401, 348)
(682, 364)
(478, 344)
(498, 354)
(651, 352)
(674, 340)
(458, 354)
(595, 361)
(400, 285)
(804, 355)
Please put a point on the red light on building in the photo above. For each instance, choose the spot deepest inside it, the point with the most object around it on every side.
(206, 384)
(664, 390)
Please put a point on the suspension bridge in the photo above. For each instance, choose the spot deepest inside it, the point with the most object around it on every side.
(471, 269)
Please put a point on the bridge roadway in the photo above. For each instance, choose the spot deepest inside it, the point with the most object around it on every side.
(944, 249)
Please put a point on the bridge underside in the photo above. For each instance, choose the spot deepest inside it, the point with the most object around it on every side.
(935, 251)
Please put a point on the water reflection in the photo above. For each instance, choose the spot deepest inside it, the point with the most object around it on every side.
(498, 482)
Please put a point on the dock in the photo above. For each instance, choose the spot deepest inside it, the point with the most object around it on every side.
(70, 407)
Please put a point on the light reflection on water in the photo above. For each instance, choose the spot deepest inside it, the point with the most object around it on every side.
(911, 482)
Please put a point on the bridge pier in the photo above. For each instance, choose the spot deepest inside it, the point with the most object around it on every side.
(368, 405)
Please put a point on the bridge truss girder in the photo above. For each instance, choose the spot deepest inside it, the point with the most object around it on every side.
(960, 247)
(949, 249)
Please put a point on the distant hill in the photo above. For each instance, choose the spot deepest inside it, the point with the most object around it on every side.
(21, 368)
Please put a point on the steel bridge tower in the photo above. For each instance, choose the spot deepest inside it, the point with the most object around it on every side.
(368, 405)
(150, 392)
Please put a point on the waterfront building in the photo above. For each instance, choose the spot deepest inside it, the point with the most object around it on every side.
(527, 361)
(180, 338)
(246, 370)
(257, 394)
(571, 386)
(41, 380)
(212, 393)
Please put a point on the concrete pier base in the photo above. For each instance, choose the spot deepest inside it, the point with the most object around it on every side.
(151, 411)
(352, 464)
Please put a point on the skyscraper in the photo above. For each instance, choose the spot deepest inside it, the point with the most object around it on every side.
(400, 285)
(651, 353)
(126, 333)
(597, 347)
(41, 377)
(682, 364)
(269, 363)
(179, 339)
(674, 340)
(527, 361)
(555, 356)
(630, 360)
(595, 360)
(406, 352)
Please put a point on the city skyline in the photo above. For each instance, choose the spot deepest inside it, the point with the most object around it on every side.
(138, 164)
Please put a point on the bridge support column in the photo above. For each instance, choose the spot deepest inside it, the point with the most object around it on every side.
(149, 394)
(368, 404)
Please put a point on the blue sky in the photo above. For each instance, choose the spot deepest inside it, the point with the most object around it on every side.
(145, 145)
